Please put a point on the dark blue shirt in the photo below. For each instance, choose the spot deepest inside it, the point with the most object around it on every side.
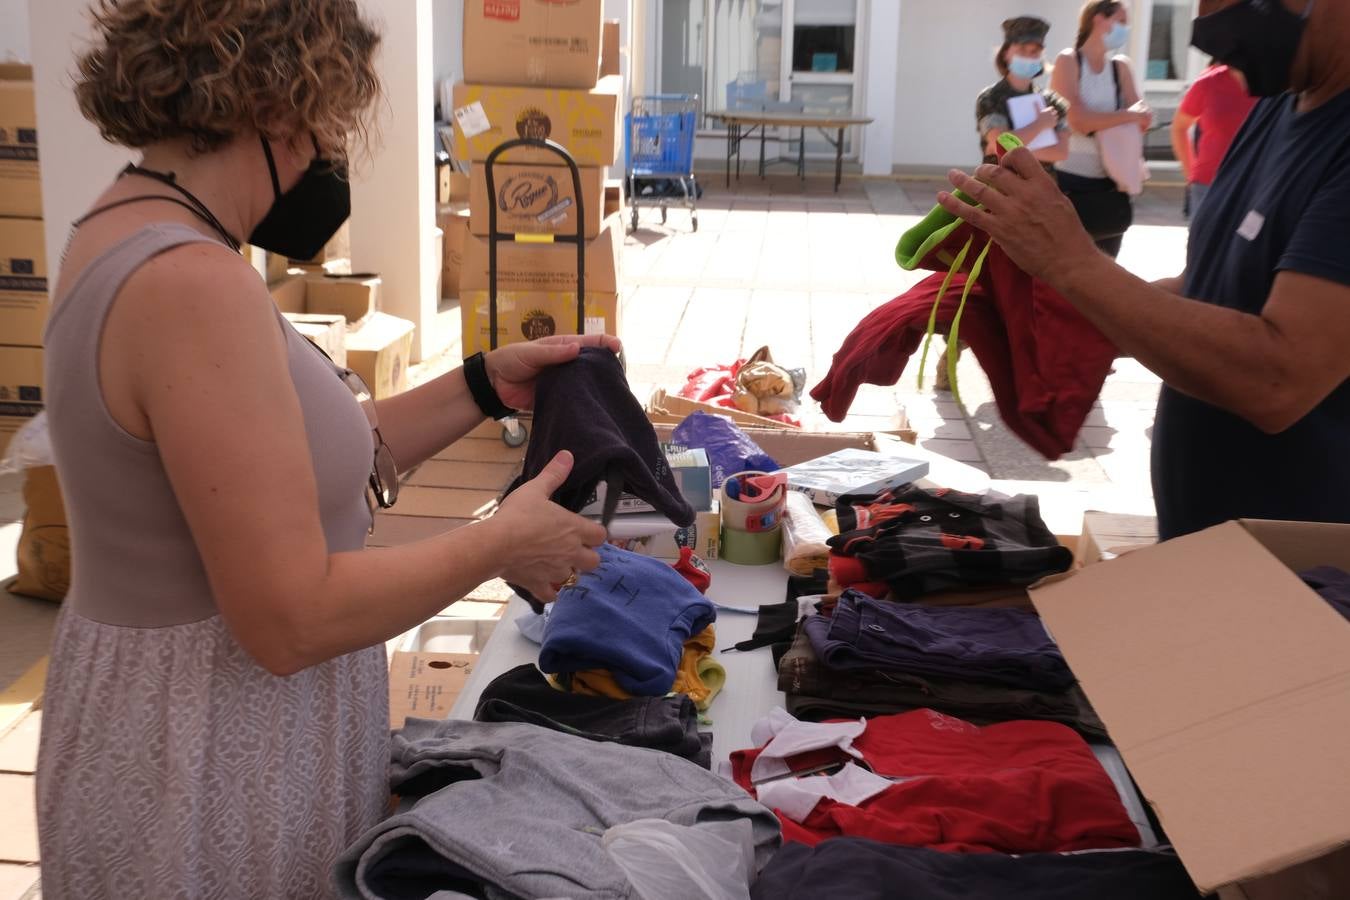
(1281, 202)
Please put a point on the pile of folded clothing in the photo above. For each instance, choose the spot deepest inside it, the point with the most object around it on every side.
(862, 656)
(915, 541)
(518, 810)
(633, 627)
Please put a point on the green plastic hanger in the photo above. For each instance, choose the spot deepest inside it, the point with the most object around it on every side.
(918, 242)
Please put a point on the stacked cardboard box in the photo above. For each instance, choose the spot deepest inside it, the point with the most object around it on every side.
(23, 257)
(533, 69)
(340, 314)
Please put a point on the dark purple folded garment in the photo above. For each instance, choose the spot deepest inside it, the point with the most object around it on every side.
(1332, 584)
(994, 646)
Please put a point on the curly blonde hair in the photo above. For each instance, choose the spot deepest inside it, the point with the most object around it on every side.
(208, 70)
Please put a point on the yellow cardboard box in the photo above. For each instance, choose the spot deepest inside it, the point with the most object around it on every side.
(20, 189)
(535, 199)
(531, 42)
(379, 352)
(23, 281)
(548, 267)
(586, 122)
(21, 380)
(529, 315)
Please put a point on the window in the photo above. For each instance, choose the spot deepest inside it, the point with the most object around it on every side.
(726, 51)
(1169, 40)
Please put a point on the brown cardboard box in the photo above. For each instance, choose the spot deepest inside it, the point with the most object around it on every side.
(354, 297)
(1225, 683)
(328, 333)
(613, 202)
(609, 48)
(534, 199)
(1108, 535)
(454, 221)
(531, 42)
(21, 380)
(546, 267)
(443, 183)
(44, 543)
(528, 315)
(425, 685)
(290, 293)
(439, 233)
(459, 186)
(379, 352)
(20, 188)
(23, 280)
(586, 122)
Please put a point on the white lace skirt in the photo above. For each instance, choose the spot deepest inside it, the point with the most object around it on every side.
(173, 766)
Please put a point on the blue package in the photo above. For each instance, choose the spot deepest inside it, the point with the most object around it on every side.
(729, 449)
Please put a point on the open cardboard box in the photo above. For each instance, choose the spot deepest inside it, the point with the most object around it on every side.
(671, 409)
(1225, 683)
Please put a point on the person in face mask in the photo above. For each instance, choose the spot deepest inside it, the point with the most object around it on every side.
(216, 713)
(1020, 61)
(1250, 340)
(1094, 77)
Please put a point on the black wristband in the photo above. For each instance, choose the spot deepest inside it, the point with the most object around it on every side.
(480, 386)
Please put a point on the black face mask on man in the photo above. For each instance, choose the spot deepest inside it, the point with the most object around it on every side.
(1259, 38)
(307, 216)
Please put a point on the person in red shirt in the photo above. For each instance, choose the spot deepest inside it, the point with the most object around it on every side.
(1216, 104)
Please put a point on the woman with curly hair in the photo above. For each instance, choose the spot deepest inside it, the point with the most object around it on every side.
(216, 718)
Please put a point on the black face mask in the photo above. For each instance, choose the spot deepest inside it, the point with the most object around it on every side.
(307, 216)
(1259, 38)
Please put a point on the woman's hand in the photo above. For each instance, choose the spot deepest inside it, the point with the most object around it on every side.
(514, 368)
(1024, 211)
(541, 544)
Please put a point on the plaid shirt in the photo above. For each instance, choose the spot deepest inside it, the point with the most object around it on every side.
(920, 541)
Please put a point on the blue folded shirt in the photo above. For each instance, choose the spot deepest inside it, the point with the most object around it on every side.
(631, 616)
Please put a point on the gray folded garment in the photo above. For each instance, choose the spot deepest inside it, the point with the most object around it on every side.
(506, 810)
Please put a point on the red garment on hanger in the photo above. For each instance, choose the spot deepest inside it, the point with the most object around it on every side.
(1044, 360)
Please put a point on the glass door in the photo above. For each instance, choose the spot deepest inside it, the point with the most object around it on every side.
(820, 63)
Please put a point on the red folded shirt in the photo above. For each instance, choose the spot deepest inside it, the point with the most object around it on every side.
(1013, 787)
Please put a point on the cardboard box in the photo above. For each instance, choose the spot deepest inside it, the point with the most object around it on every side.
(328, 333)
(533, 199)
(23, 281)
(693, 476)
(425, 685)
(442, 183)
(531, 42)
(546, 267)
(529, 315)
(439, 241)
(664, 540)
(454, 221)
(290, 294)
(21, 380)
(459, 186)
(1108, 535)
(587, 123)
(610, 55)
(354, 297)
(1225, 683)
(379, 352)
(20, 187)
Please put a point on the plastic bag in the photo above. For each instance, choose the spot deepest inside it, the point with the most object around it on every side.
(30, 447)
(664, 860)
(804, 536)
(729, 449)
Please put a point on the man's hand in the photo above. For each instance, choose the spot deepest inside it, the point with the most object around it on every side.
(1025, 212)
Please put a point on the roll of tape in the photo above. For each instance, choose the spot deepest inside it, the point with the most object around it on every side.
(755, 516)
(751, 548)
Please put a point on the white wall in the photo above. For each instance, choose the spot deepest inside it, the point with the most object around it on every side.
(393, 198)
(946, 58)
(447, 42)
(14, 31)
(77, 164)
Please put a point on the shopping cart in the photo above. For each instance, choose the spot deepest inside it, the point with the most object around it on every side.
(514, 433)
(660, 148)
